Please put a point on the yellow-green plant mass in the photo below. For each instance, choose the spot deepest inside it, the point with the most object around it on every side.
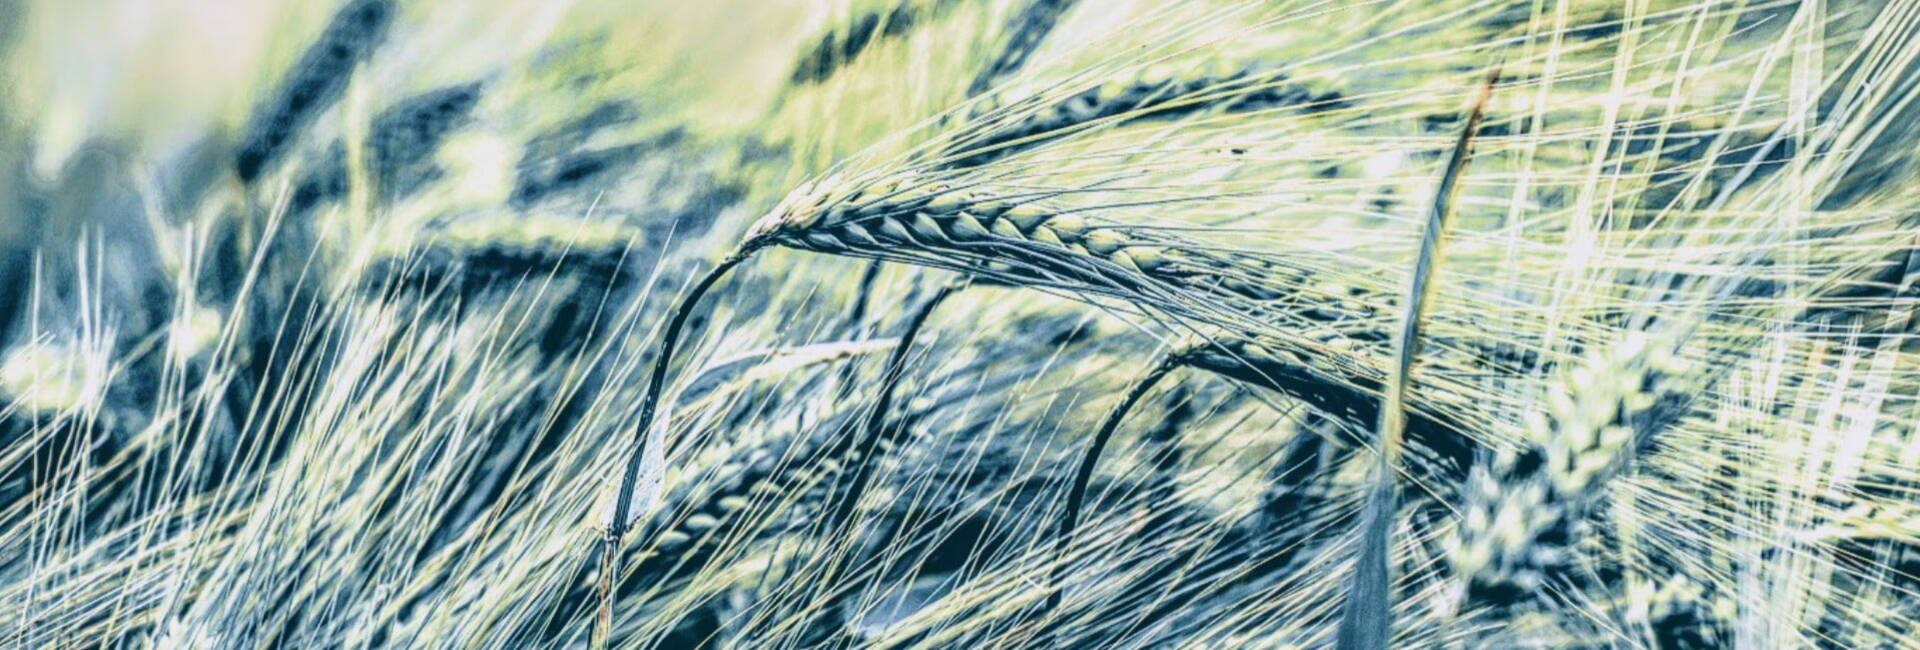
(818, 324)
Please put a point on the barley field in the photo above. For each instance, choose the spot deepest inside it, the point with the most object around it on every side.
(979, 324)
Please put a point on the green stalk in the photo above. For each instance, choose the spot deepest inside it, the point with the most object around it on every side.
(610, 556)
(1082, 476)
(1367, 620)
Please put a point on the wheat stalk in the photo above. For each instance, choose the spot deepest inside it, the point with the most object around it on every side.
(1083, 474)
(874, 429)
(621, 518)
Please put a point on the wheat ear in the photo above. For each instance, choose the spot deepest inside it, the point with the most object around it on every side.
(1027, 30)
(1155, 93)
(1017, 241)
(838, 48)
(319, 78)
(1593, 419)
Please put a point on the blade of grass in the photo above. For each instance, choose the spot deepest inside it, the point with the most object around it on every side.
(1366, 622)
(621, 517)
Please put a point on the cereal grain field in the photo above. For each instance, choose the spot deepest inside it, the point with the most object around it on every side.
(915, 324)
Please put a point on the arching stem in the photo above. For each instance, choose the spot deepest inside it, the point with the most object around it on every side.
(838, 524)
(617, 526)
(1077, 494)
(1366, 620)
(855, 315)
(873, 430)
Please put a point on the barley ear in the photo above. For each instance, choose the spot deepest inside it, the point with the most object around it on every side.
(1026, 31)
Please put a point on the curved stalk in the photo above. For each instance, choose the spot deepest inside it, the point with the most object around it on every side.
(1077, 494)
(873, 430)
(863, 454)
(617, 526)
(1366, 620)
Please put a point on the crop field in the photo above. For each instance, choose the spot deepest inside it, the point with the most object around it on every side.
(978, 324)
